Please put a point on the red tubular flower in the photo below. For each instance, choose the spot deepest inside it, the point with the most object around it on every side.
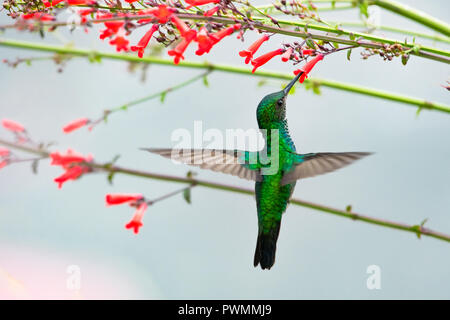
(219, 35)
(205, 43)
(4, 152)
(38, 16)
(179, 50)
(200, 2)
(76, 124)
(143, 43)
(71, 163)
(248, 54)
(287, 55)
(120, 42)
(164, 13)
(12, 126)
(70, 174)
(130, 1)
(120, 198)
(186, 32)
(3, 164)
(306, 52)
(261, 60)
(136, 221)
(112, 27)
(47, 3)
(211, 11)
(308, 67)
(68, 159)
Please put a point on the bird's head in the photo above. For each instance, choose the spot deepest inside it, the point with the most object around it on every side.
(272, 108)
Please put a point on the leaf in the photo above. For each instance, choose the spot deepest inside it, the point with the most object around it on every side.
(163, 96)
(205, 81)
(187, 195)
(111, 177)
(349, 53)
(34, 166)
(261, 82)
(364, 8)
(348, 208)
(310, 43)
(336, 45)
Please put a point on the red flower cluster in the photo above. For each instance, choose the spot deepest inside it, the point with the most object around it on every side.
(72, 163)
(41, 16)
(135, 200)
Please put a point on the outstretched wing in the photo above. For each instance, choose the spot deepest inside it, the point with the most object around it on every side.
(313, 164)
(235, 162)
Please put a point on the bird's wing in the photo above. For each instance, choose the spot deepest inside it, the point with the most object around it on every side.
(235, 162)
(313, 164)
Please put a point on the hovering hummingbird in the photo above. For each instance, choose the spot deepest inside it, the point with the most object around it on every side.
(273, 189)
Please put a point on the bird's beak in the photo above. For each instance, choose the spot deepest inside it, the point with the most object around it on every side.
(292, 83)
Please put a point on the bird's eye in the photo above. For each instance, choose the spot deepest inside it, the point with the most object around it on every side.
(280, 102)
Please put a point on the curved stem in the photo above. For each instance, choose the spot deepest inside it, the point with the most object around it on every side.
(421, 103)
(414, 14)
(416, 229)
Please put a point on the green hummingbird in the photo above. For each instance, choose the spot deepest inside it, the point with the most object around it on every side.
(275, 169)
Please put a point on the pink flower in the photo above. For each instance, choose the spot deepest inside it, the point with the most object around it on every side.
(12, 126)
(120, 198)
(308, 67)
(76, 124)
(261, 60)
(143, 43)
(136, 221)
(248, 54)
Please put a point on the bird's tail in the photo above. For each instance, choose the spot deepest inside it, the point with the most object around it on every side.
(266, 246)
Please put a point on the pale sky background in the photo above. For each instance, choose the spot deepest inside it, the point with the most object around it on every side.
(205, 250)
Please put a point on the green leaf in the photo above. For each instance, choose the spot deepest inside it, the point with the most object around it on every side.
(205, 81)
(336, 45)
(163, 96)
(187, 195)
(261, 82)
(364, 8)
(111, 177)
(349, 53)
(310, 43)
(352, 36)
(348, 208)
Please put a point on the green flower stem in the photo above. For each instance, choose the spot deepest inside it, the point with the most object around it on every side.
(421, 103)
(419, 230)
(395, 30)
(414, 14)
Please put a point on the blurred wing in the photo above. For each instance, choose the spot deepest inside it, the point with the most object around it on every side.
(235, 162)
(313, 164)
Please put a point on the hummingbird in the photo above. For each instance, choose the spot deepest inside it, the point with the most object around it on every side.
(272, 189)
